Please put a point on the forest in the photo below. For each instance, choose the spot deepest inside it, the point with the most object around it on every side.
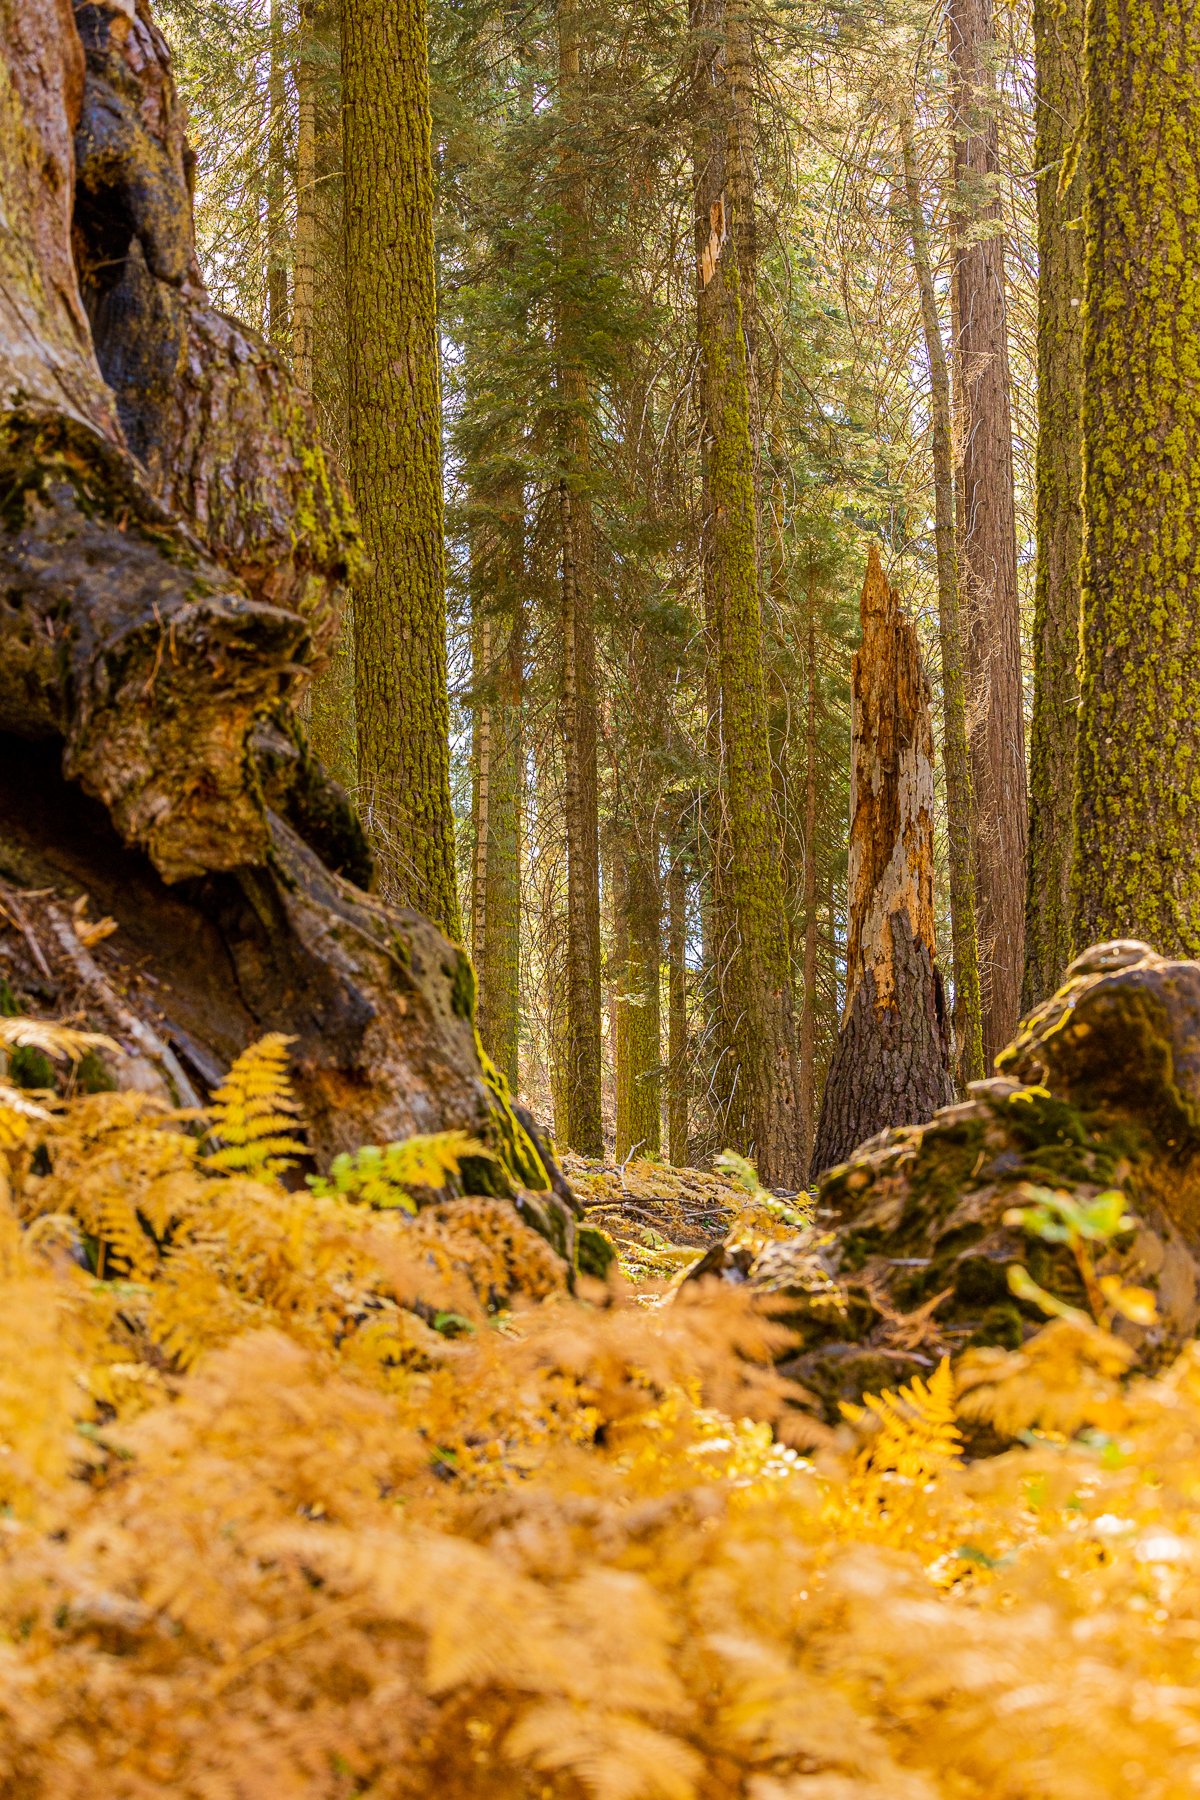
(599, 930)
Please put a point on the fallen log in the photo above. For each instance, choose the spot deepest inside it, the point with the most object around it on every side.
(173, 548)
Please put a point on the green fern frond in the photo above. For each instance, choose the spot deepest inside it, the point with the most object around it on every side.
(384, 1175)
(253, 1113)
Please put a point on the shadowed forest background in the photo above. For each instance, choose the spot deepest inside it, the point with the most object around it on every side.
(575, 432)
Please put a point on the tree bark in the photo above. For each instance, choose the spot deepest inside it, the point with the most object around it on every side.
(808, 1043)
(496, 892)
(277, 257)
(677, 1023)
(892, 1062)
(1137, 829)
(987, 556)
(1060, 164)
(318, 334)
(956, 754)
(396, 455)
(639, 1127)
(580, 724)
(304, 243)
(758, 1074)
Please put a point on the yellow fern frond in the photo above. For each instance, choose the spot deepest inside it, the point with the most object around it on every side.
(914, 1441)
(253, 1113)
(61, 1041)
(17, 1113)
(917, 1434)
(613, 1756)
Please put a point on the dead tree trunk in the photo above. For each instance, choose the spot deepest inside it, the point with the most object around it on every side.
(892, 1062)
(172, 545)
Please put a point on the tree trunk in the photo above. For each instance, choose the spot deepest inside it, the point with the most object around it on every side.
(677, 1023)
(1137, 843)
(158, 612)
(580, 729)
(808, 1044)
(959, 799)
(986, 528)
(396, 455)
(318, 334)
(892, 1062)
(481, 775)
(496, 895)
(304, 242)
(639, 1127)
(754, 966)
(277, 259)
(1058, 31)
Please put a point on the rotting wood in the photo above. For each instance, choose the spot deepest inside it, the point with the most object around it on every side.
(172, 546)
(892, 1061)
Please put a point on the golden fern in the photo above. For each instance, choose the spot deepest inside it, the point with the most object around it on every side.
(915, 1438)
(18, 1113)
(253, 1113)
(916, 1429)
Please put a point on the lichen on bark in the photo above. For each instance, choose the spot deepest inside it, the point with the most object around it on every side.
(1137, 817)
(396, 455)
(1059, 36)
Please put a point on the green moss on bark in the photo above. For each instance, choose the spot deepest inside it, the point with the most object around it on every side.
(395, 456)
(1059, 35)
(1137, 821)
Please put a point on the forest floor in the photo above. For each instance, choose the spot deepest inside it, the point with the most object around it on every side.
(662, 1219)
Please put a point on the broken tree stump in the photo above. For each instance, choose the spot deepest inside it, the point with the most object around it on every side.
(892, 1061)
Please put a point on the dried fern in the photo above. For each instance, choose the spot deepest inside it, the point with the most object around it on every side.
(246, 1481)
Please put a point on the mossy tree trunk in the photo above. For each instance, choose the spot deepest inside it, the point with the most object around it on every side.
(277, 237)
(677, 1021)
(986, 523)
(639, 1127)
(1059, 37)
(159, 613)
(580, 722)
(499, 650)
(318, 337)
(396, 455)
(1137, 840)
(305, 237)
(754, 962)
(955, 751)
(808, 1020)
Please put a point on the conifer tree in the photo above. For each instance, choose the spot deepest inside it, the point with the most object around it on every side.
(1137, 827)
(987, 551)
(584, 1131)
(499, 670)
(956, 756)
(754, 973)
(1059, 37)
(395, 454)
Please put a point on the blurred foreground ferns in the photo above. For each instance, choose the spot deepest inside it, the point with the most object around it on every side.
(308, 1497)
